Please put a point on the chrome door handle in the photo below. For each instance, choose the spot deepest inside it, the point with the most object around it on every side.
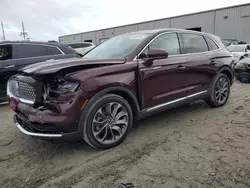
(10, 66)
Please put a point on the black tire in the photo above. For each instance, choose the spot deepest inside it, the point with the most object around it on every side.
(87, 120)
(212, 100)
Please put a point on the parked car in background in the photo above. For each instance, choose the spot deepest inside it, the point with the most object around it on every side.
(82, 47)
(128, 77)
(242, 70)
(239, 51)
(228, 42)
(16, 54)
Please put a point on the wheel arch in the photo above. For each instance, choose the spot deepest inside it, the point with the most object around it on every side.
(128, 95)
(227, 71)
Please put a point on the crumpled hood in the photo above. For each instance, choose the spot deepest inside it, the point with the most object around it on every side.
(53, 66)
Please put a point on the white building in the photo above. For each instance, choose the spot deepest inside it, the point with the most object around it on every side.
(228, 23)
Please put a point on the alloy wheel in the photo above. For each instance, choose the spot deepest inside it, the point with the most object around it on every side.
(110, 123)
(222, 90)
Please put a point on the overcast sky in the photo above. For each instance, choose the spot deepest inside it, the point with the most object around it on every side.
(47, 19)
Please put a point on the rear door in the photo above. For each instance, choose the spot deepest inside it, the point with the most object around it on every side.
(31, 53)
(198, 68)
(8, 66)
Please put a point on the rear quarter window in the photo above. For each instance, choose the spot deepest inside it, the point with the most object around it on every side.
(211, 44)
(52, 50)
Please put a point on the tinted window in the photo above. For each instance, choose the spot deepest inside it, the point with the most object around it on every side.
(5, 52)
(194, 43)
(168, 42)
(30, 50)
(211, 44)
(80, 45)
(86, 45)
(52, 50)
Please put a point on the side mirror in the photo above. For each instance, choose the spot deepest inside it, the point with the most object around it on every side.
(157, 54)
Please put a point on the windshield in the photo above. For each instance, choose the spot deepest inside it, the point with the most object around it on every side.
(235, 48)
(117, 47)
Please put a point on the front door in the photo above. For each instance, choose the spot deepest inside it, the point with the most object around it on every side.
(164, 80)
(8, 67)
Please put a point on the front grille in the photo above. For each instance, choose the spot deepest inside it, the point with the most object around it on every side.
(22, 91)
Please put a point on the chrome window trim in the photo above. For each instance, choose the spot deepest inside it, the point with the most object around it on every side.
(219, 48)
(174, 101)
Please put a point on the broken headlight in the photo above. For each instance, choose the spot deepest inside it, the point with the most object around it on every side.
(68, 86)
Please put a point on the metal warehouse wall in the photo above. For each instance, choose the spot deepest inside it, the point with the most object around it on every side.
(233, 23)
(228, 23)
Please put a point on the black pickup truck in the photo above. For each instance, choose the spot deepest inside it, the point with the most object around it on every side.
(17, 54)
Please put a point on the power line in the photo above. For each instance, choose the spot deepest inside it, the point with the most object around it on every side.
(23, 33)
(3, 38)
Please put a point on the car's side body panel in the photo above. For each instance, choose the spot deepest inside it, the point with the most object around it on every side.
(148, 85)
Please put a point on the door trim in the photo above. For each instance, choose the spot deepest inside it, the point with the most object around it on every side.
(175, 101)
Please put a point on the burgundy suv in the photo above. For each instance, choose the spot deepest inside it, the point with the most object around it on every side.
(98, 97)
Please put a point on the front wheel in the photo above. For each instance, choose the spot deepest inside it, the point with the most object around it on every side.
(108, 121)
(220, 91)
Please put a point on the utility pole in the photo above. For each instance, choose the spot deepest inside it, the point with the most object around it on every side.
(23, 33)
(3, 38)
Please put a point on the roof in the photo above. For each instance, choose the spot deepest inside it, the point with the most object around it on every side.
(157, 19)
(154, 31)
(32, 42)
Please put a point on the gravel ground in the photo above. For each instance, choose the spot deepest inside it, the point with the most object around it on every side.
(191, 146)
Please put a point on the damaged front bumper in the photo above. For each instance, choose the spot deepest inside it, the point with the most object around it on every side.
(47, 123)
(27, 130)
(55, 108)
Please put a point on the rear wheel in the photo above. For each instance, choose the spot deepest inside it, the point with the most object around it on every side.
(107, 122)
(220, 91)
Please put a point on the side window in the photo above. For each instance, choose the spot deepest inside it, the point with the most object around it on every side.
(194, 43)
(168, 42)
(5, 52)
(211, 44)
(30, 50)
(52, 50)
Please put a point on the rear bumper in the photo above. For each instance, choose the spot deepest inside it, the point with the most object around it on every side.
(28, 129)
